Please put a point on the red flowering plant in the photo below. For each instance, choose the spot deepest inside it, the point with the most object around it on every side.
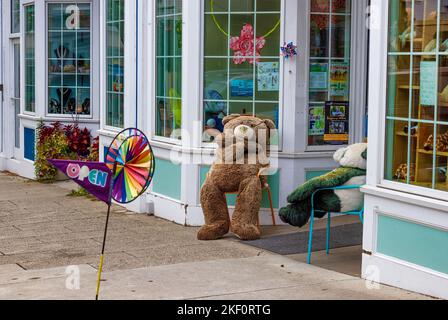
(57, 141)
(78, 140)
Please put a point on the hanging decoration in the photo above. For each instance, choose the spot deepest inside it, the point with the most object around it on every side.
(289, 50)
(323, 6)
(320, 10)
(247, 46)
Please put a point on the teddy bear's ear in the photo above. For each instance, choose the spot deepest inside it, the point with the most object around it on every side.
(339, 155)
(229, 118)
(270, 124)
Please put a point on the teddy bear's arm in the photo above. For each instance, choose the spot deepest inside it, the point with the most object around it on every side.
(333, 179)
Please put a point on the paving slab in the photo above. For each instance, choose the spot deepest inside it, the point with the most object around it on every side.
(264, 278)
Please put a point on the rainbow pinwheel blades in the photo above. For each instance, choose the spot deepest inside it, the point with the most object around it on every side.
(131, 157)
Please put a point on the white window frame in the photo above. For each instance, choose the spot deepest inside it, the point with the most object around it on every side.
(153, 61)
(378, 107)
(130, 18)
(23, 48)
(358, 71)
(93, 62)
(15, 34)
(209, 145)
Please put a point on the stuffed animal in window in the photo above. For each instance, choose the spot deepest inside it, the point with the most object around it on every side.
(242, 154)
(353, 161)
(402, 172)
(441, 143)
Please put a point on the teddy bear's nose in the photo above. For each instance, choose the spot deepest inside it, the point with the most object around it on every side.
(244, 132)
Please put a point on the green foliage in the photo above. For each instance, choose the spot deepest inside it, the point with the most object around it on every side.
(65, 143)
(81, 192)
(51, 144)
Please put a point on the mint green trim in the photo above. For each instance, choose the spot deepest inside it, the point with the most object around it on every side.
(274, 183)
(315, 174)
(167, 179)
(414, 243)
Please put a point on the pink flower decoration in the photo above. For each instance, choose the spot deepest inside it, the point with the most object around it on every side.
(245, 46)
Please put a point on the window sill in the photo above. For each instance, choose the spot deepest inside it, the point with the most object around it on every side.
(408, 198)
(210, 151)
(56, 119)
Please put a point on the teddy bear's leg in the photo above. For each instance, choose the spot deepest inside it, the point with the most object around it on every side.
(248, 203)
(216, 213)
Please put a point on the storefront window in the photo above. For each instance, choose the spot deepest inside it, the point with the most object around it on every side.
(169, 68)
(115, 63)
(15, 16)
(69, 58)
(16, 93)
(30, 92)
(417, 99)
(329, 79)
(241, 61)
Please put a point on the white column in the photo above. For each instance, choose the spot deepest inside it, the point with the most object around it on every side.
(192, 56)
(40, 58)
(295, 28)
(377, 92)
(132, 31)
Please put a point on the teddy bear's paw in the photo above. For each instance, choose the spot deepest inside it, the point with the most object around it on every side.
(246, 232)
(212, 232)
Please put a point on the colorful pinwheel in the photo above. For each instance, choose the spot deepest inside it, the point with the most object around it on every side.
(131, 159)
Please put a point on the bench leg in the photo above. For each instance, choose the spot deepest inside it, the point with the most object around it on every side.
(328, 233)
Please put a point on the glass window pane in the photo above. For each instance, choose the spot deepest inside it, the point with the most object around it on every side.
(115, 63)
(417, 101)
(15, 16)
(329, 78)
(241, 64)
(169, 68)
(29, 59)
(69, 45)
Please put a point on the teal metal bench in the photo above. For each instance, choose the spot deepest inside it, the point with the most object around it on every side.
(360, 214)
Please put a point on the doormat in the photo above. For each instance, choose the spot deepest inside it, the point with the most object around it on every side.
(296, 243)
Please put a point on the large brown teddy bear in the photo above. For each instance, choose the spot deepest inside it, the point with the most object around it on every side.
(241, 156)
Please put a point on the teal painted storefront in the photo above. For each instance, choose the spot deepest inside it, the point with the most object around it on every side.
(418, 244)
(274, 183)
(167, 179)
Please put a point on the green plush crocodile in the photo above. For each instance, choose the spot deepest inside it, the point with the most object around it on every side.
(352, 172)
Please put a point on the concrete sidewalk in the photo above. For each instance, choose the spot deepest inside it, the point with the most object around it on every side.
(258, 278)
(42, 231)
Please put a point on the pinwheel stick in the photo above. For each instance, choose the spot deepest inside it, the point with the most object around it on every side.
(103, 250)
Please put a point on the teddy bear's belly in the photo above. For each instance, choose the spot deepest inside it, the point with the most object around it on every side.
(229, 177)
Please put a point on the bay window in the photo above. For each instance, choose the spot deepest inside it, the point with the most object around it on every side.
(168, 114)
(329, 77)
(417, 94)
(115, 63)
(69, 58)
(241, 61)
